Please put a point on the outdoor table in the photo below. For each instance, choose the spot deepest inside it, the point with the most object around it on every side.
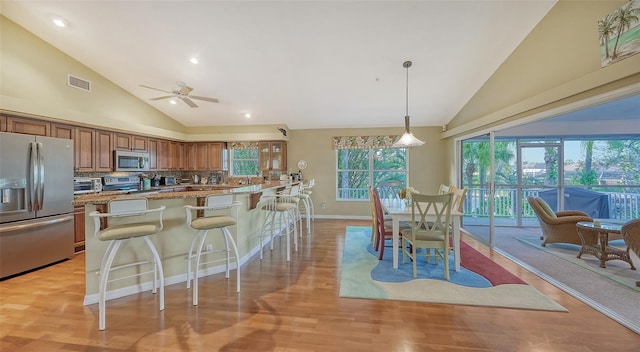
(595, 241)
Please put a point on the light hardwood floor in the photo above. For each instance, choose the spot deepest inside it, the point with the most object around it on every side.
(288, 307)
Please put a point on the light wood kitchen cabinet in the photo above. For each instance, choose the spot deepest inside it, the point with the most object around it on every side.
(62, 131)
(215, 156)
(93, 149)
(28, 126)
(84, 145)
(197, 156)
(152, 148)
(272, 156)
(164, 154)
(123, 141)
(79, 222)
(179, 156)
(104, 151)
(172, 161)
(204, 156)
(139, 143)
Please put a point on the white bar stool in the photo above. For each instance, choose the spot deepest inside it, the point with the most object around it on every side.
(279, 208)
(117, 234)
(202, 224)
(306, 191)
(292, 195)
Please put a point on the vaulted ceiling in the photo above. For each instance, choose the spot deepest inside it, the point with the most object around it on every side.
(306, 64)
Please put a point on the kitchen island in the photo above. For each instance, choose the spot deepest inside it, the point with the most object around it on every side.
(173, 241)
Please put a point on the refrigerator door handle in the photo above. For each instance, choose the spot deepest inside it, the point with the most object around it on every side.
(32, 176)
(41, 176)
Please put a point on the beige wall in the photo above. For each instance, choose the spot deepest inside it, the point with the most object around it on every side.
(315, 146)
(558, 63)
(34, 81)
(33, 78)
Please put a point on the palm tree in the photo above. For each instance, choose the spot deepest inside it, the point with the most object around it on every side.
(551, 165)
(476, 158)
(588, 175)
(606, 28)
(623, 18)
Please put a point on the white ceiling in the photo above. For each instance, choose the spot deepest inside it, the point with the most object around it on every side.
(306, 64)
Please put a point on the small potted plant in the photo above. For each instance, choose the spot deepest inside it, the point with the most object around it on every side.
(406, 193)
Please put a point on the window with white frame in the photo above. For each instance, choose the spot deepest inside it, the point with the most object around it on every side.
(244, 162)
(358, 168)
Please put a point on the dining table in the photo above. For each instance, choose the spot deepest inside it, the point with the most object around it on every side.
(401, 211)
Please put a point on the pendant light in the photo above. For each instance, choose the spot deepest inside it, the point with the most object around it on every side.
(408, 139)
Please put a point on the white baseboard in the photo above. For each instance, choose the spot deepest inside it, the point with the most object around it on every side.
(343, 217)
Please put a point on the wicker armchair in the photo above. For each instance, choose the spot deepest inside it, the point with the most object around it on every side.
(557, 227)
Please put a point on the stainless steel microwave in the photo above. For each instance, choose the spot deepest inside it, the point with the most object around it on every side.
(130, 161)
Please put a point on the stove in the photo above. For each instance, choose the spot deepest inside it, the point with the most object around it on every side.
(121, 183)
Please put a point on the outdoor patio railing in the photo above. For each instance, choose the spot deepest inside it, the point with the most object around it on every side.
(623, 206)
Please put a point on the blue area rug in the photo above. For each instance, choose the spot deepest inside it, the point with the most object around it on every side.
(364, 276)
(385, 272)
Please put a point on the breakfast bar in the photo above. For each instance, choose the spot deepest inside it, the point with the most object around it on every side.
(173, 241)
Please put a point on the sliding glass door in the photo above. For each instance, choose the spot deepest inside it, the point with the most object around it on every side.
(539, 174)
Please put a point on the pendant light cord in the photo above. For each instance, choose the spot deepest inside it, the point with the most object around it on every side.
(407, 65)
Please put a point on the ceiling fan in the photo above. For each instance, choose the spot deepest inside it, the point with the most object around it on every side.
(182, 92)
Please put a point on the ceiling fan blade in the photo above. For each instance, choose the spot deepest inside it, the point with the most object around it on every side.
(213, 100)
(161, 90)
(162, 97)
(189, 102)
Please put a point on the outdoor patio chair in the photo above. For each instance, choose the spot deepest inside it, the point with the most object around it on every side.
(557, 227)
(631, 236)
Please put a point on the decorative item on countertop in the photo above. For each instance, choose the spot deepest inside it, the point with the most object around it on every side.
(405, 194)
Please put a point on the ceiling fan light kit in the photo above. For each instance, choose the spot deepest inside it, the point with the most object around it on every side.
(183, 93)
(408, 139)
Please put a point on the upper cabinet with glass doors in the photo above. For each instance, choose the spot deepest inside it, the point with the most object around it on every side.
(273, 155)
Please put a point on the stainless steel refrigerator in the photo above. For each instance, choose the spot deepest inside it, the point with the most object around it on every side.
(36, 191)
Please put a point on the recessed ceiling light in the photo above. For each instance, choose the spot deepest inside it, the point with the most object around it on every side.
(60, 22)
(173, 102)
(194, 60)
(247, 115)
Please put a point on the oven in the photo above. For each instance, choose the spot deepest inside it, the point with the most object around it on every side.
(130, 161)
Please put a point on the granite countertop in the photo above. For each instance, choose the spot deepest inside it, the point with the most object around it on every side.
(175, 192)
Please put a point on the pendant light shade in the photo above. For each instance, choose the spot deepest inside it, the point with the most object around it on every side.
(408, 139)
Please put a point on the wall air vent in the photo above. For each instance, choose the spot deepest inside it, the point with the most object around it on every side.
(80, 83)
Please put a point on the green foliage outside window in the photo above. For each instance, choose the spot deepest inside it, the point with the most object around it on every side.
(358, 168)
(244, 162)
